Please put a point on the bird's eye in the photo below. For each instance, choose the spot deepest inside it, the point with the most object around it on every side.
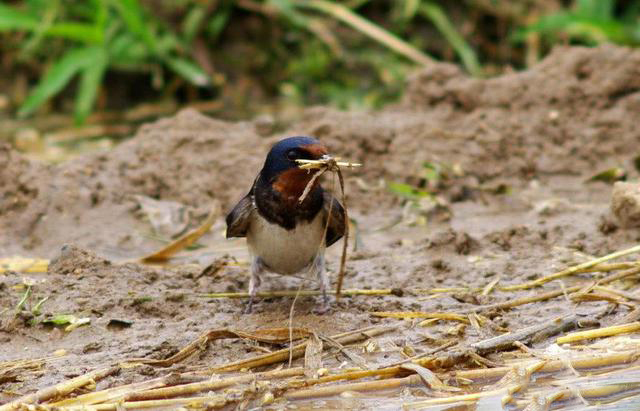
(292, 155)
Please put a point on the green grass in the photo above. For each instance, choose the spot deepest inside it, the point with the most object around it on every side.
(355, 53)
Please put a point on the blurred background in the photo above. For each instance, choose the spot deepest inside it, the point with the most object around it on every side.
(81, 75)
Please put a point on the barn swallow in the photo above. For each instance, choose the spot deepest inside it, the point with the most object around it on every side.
(284, 235)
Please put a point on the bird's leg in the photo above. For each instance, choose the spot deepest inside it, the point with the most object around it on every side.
(257, 268)
(323, 279)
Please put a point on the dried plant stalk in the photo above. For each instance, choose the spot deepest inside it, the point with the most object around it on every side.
(599, 332)
(184, 241)
(356, 386)
(582, 362)
(572, 270)
(421, 314)
(298, 350)
(553, 294)
(60, 390)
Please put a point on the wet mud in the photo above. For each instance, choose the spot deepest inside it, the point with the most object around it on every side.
(511, 202)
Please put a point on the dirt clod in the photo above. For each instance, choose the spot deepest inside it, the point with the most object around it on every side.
(625, 203)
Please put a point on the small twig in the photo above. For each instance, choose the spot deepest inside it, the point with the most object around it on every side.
(524, 335)
(343, 258)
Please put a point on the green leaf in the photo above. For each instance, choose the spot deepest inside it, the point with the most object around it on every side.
(432, 172)
(192, 22)
(12, 19)
(61, 319)
(127, 49)
(58, 76)
(288, 10)
(133, 15)
(406, 190)
(90, 80)
(610, 176)
(410, 8)
(188, 70)
(217, 23)
(438, 17)
(82, 32)
(101, 13)
(595, 9)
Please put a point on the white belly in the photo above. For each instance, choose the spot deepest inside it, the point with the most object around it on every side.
(286, 251)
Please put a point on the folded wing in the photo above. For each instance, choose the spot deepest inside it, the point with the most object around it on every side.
(239, 218)
(336, 228)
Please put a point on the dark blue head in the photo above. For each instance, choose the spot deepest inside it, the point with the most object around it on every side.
(283, 155)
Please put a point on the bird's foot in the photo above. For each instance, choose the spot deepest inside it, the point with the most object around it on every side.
(324, 307)
(248, 308)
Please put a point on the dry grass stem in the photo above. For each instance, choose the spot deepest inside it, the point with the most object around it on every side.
(599, 333)
(298, 350)
(207, 402)
(185, 240)
(118, 393)
(330, 390)
(302, 293)
(62, 389)
(553, 294)
(419, 314)
(273, 335)
(587, 361)
(576, 269)
(323, 164)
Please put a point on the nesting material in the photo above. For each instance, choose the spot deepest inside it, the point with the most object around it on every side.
(328, 163)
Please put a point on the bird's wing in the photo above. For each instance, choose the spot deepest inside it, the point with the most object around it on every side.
(239, 218)
(336, 228)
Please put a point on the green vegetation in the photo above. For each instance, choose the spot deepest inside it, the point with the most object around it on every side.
(355, 53)
(98, 35)
(591, 22)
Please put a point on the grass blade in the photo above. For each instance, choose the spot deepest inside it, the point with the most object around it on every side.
(90, 80)
(188, 70)
(85, 33)
(12, 19)
(58, 76)
(132, 13)
(347, 16)
(595, 9)
(434, 12)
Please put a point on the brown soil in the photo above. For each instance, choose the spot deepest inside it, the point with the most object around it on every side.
(514, 203)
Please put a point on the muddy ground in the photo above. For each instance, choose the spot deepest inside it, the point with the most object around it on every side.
(513, 204)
